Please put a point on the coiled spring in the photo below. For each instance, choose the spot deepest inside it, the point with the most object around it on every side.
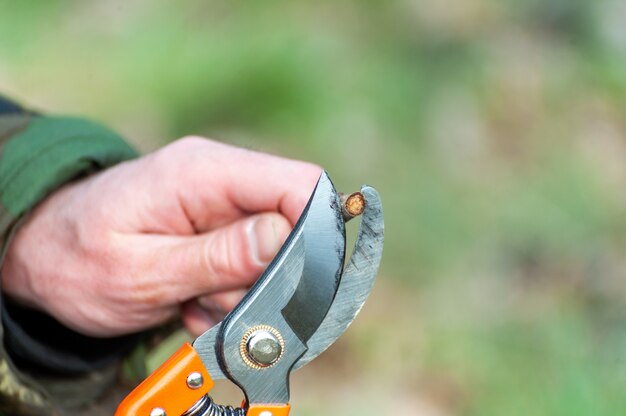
(207, 407)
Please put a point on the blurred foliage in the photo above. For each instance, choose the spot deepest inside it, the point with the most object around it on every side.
(495, 131)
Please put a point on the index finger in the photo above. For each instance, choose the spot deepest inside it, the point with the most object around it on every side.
(219, 183)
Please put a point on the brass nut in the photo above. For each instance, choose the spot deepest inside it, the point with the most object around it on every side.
(261, 347)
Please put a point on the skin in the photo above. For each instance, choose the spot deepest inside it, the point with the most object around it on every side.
(185, 229)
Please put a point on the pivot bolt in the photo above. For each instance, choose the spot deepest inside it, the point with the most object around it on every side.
(195, 380)
(262, 346)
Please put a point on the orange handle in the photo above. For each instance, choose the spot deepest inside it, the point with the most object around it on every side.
(168, 388)
(270, 409)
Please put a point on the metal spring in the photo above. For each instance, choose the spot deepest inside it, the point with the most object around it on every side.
(207, 407)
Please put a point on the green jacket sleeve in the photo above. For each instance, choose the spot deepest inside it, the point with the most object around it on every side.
(38, 154)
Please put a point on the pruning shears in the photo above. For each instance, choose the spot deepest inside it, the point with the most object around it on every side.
(299, 306)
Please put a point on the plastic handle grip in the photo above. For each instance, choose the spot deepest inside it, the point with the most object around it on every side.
(166, 388)
(269, 409)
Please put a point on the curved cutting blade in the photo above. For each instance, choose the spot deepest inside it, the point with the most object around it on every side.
(357, 280)
(293, 296)
(324, 250)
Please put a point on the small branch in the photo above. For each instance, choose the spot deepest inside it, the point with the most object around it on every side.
(352, 205)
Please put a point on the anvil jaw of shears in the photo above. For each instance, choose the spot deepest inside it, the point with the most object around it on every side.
(300, 305)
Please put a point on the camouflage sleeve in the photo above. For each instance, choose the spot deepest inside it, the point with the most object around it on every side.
(37, 155)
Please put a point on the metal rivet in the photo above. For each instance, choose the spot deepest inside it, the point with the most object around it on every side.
(157, 411)
(264, 348)
(266, 413)
(195, 380)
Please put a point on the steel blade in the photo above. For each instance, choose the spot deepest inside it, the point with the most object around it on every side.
(356, 282)
(292, 297)
(324, 250)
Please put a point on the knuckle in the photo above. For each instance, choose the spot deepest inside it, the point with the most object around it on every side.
(227, 259)
(187, 143)
(213, 258)
(241, 262)
(178, 149)
(178, 157)
(100, 251)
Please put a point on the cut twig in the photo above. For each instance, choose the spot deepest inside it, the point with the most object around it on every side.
(352, 205)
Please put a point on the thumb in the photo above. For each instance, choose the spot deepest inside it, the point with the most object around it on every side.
(229, 257)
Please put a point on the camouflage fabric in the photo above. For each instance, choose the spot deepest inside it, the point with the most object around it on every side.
(37, 155)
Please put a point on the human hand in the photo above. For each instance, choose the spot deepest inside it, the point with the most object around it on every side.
(193, 224)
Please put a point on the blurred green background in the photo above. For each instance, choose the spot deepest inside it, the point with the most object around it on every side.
(494, 130)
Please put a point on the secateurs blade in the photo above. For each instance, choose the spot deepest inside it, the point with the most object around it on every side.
(299, 306)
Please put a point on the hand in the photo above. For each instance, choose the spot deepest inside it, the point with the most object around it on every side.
(193, 224)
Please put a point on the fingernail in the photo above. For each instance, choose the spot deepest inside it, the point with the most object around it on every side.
(264, 243)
